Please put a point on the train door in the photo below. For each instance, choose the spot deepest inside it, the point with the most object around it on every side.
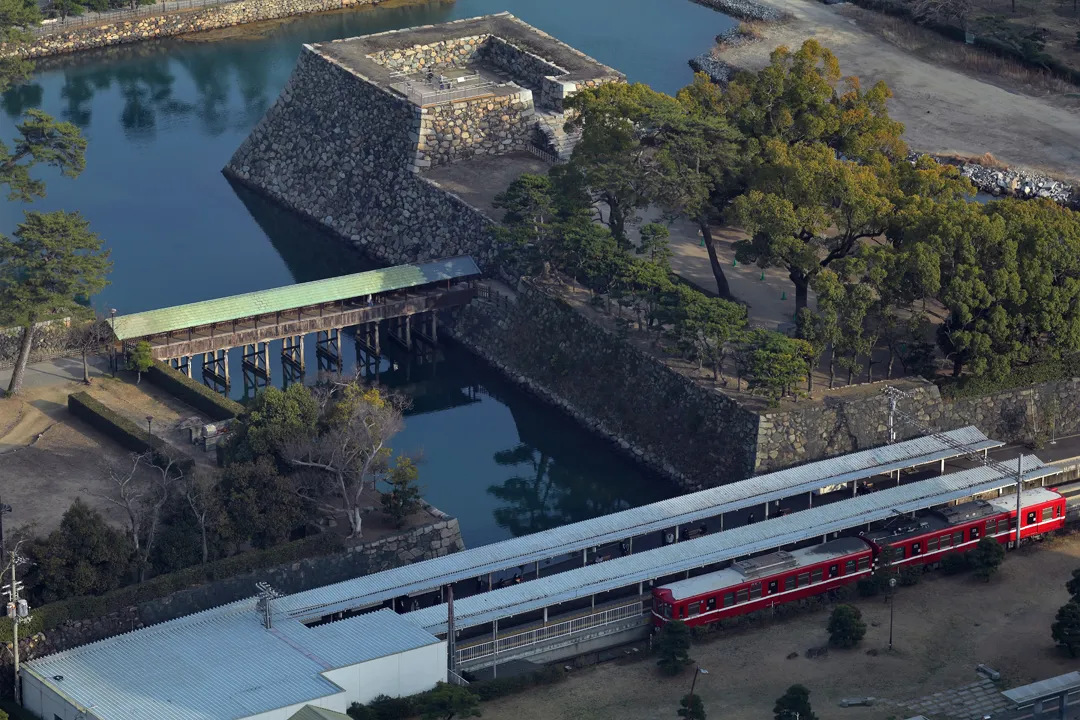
(975, 532)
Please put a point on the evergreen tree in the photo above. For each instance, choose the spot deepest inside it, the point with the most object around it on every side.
(794, 704)
(140, 360)
(691, 708)
(84, 556)
(448, 701)
(987, 557)
(1066, 628)
(1073, 585)
(673, 647)
(846, 627)
(403, 497)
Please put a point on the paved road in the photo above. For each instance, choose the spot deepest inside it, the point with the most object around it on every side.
(59, 371)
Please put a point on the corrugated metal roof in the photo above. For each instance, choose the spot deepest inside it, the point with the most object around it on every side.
(235, 307)
(430, 574)
(719, 547)
(1027, 694)
(220, 664)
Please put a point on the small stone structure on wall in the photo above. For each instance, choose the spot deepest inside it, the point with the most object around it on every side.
(362, 121)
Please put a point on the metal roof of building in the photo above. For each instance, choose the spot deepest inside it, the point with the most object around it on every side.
(719, 547)
(1043, 689)
(235, 307)
(310, 712)
(220, 664)
(376, 588)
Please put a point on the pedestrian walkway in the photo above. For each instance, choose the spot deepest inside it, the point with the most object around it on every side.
(970, 702)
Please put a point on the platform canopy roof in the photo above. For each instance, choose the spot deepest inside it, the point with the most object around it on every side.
(681, 510)
(290, 297)
(720, 547)
(1044, 689)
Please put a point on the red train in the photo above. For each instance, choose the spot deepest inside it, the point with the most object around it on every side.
(782, 577)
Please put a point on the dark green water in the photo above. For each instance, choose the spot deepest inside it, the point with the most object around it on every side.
(163, 118)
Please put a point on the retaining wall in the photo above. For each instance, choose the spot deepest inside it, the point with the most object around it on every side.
(179, 23)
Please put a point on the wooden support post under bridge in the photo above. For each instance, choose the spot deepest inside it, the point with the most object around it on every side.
(292, 358)
(256, 366)
(328, 349)
(368, 349)
(182, 364)
(215, 370)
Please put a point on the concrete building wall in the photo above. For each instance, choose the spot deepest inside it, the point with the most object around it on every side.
(397, 675)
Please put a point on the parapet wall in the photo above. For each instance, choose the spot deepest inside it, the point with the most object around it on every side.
(343, 152)
(441, 55)
(486, 126)
(528, 70)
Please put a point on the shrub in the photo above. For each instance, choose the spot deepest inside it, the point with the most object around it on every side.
(955, 563)
(986, 558)
(385, 707)
(195, 394)
(910, 575)
(846, 627)
(873, 585)
(1066, 628)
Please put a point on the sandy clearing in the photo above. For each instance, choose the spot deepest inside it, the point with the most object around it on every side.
(944, 111)
(943, 628)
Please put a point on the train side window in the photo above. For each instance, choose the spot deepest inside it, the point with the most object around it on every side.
(1048, 512)
(931, 544)
(729, 599)
(916, 548)
(695, 608)
(742, 596)
(864, 563)
(990, 527)
(804, 579)
(834, 571)
(1030, 518)
(710, 604)
(958, 537)
(773, 587)
(898, 553)
(789, 582)
(755, 591)
(975, 533)
(816, 574)
(849, 567)
(946, 541)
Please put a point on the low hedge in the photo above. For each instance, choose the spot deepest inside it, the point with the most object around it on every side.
(195, 394)
(1023, 376)
(87, 607)
(123, 430)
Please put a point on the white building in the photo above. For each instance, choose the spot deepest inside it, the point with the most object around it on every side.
(224, 664)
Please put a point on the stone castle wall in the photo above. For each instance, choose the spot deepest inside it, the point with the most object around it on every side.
(486, 126)
(344, 152)
(423, 543)
(527, 69)
(696, 437)
(442, 55)
(178, 23)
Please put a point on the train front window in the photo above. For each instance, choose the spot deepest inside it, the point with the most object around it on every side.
(667, 610)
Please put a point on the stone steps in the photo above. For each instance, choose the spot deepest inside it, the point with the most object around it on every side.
(561, 142)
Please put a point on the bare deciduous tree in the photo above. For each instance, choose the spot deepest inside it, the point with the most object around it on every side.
(141, 490)
(89, 338)
(348, 450)
(944, 10)
(198, 491)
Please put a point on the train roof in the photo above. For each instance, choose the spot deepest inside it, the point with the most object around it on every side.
(1035, 496)
(765, 566)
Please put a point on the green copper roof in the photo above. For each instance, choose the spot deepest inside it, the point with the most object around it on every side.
(310, 712)
(235, 307)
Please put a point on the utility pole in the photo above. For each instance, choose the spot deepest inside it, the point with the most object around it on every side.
(893, 396)
(451, 641)
(18, 611)
(1019, 487)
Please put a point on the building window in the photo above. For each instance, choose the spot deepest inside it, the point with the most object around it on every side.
(729, 599)
(695, 608)
(755, 591)
(816, 574)
(742, 595)
(849, 567)
(789, 582)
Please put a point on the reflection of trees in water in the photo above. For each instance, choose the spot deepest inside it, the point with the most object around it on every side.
(547, 493)
(146, 84)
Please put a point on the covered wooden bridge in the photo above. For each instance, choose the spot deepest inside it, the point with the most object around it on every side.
(403, 299)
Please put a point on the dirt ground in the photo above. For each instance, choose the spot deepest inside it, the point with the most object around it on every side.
(943, 627)
(945, 111)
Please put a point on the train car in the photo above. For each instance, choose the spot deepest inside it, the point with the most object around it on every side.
(759, 582)
(958, 528)
(780, 577)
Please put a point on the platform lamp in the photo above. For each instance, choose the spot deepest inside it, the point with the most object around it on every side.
(697, 671)
(892, 602)
(149, 424)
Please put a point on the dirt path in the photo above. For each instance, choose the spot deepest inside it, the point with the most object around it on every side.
(943, 628)
(944, 111)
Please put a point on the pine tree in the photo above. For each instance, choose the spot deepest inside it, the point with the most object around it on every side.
(673, 647)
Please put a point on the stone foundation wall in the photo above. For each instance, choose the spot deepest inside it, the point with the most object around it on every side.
(179, 23)
(696, 437)
(344, 152)
(52, 339)
(527, 69)
(442, 55)
(435, 539)
(487, 126)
